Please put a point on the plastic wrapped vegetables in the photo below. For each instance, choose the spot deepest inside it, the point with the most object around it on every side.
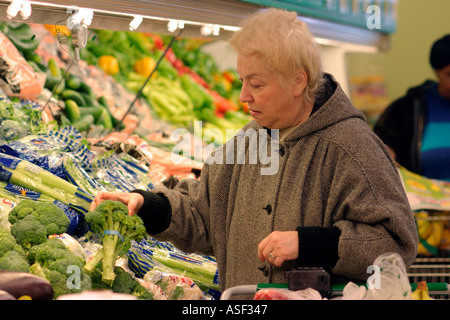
(147, 256)
(25, 174)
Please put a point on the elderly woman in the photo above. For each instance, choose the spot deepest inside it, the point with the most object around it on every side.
(335, 199)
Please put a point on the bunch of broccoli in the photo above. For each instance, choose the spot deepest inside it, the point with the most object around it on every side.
(53, 261)
(12, 255)
(124, 282)
(33, 221)
(111, 221)
(26, 247)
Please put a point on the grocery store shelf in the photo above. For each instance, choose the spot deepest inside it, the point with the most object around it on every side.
(114, 15)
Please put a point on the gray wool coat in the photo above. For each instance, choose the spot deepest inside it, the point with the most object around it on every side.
(330, 171)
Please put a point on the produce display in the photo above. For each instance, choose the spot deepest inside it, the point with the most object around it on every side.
(67, 133)
(70, 130)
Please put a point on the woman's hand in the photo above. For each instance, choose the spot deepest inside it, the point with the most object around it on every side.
(278, 247)
(134, 201)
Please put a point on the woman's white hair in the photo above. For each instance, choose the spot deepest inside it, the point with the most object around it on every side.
(283, 43)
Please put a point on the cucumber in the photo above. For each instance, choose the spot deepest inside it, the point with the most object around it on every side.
(73, 82)
(23, 46)
(85, 123)
(102, 100)
(34, 66)
(73, 95)
(88, 99)
(96, 111)
(54, 68)
(105, 119)
(51, 82)
(72, 111)
(87, 89)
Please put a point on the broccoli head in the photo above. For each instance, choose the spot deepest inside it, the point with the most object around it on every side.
(67, 282)
(67, 276)
(53, 261)
(14, 261)
(111, 221)
(142, 293)
(125, 282)
(7, 241)
(47, 246)
(53, 218)
(29, 232)
(50, 251)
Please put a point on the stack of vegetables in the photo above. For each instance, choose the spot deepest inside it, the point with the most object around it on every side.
(176, 92)
(76, 173)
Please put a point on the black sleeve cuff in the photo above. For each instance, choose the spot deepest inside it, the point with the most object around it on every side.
(318, 247)
(156, 213)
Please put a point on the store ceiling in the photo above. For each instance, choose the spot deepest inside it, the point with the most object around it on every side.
(115, 15)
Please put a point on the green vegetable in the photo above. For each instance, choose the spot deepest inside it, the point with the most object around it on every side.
(85, 123)
(54, 77)
(89, 100)
(54, 68)
(110, 220)
(52, 261)
(104, 119)
(8, 243)
(51, 82)
(73, 82)
(73, 95)
(85, 88)
(71, 110)
(14, 261)
(203, 274)
(124, 282)
(95, 111)
(19, 121)
(23, 46)
(52, 217)
(79, 176)
(102, 100)
(32, 177)
(29, 232)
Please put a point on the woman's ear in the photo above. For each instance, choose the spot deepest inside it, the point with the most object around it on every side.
(300, 81)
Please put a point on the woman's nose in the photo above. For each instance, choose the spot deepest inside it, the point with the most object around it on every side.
(245, 95)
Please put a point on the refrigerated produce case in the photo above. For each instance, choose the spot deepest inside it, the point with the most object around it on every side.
(326, 19)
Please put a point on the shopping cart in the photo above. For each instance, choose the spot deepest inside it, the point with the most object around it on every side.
(437, 291)
(434, 268)
(318, 279)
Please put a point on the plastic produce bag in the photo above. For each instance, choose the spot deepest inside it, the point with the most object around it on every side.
(392, 283)
(48, 150)
(151, 255)
(27, 175)
(6, 206)
(175, 286)
(17, 77)
(120, 172)
(19, 119)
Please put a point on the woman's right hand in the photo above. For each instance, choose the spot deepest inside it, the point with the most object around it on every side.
(134, 201)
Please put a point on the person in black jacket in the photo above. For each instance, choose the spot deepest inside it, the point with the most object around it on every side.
(410, 127)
